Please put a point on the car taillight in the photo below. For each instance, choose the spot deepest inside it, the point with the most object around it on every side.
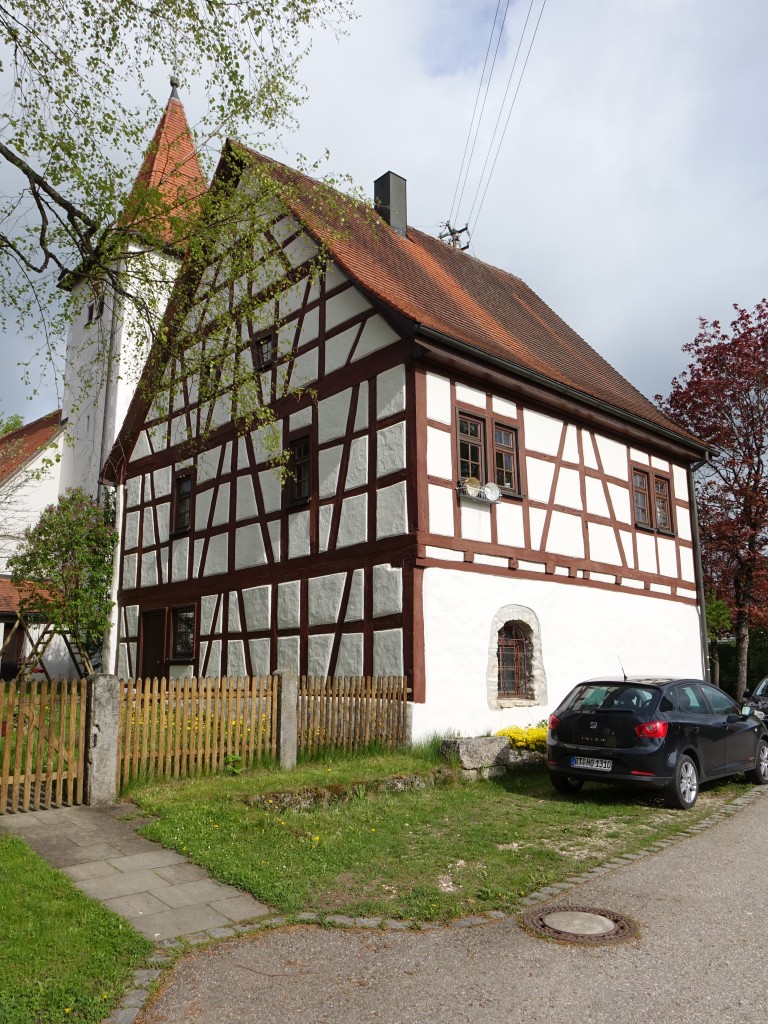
(553, 721)
(652, 730)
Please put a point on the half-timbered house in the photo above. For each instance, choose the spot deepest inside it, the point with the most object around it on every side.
(477, 500)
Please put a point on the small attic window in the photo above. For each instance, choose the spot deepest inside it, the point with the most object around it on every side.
(96, 309)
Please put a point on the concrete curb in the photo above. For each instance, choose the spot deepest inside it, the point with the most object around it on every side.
(136, 997)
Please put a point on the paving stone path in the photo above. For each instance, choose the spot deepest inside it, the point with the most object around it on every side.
(161, 893)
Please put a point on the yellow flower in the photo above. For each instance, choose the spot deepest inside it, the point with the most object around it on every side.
(373, 830)
(315, 839)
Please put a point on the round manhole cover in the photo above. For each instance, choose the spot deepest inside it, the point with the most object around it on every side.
(579, 924)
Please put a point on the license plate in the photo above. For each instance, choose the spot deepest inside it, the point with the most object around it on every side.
(599, 764)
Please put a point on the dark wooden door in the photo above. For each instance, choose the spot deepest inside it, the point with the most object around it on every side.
(152, 645)
(12, 655)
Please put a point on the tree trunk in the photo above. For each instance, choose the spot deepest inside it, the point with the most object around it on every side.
(714, 662)
(742, 650)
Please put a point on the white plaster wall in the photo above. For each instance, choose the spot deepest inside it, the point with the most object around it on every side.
(377, 334)
(613, 456)
(441, 500)
(97, 413)
(470, 396)
(565, 535)
(438, 398)
(391, 511)
(23, 497)
(542, 433)
(439, 452)
(584, 631)
(390, 392)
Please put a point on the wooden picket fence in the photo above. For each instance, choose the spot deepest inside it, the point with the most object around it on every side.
(171, 728)
(351, 713)
(42, 744)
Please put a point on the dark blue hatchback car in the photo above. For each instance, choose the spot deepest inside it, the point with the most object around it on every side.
(671, 734)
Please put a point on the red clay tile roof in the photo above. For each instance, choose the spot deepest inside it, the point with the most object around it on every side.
(451, 292)
(18, 446)
(170, 182)
(9, 597)
(445, 289)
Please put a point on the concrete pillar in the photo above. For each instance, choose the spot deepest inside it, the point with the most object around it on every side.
(102, 725)
(287, 723)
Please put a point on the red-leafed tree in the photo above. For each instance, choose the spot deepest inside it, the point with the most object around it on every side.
(722, 398)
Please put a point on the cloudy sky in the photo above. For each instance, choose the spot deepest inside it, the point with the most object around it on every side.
(631, 187)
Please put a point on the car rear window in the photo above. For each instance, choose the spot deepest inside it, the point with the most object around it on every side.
(612, 697)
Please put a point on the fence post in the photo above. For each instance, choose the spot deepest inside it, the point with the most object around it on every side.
(102, 724)
(287, 723)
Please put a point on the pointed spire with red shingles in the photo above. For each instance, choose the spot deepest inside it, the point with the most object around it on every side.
(165, 196)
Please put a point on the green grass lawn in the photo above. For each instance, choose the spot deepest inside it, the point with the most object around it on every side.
(63, 957)
(429, 854)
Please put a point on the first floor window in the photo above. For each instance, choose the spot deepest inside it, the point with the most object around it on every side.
(470, 448)
(661, 494)
(183, 643)
(505, 458)
(514, 655)
(652, 501)
(640, 490)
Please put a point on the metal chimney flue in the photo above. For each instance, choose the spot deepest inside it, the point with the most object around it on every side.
(389, 200)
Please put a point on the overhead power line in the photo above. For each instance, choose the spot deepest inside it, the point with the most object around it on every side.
(474, 109)
(506, 123)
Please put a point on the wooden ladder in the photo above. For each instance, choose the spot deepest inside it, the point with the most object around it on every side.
(39, 645)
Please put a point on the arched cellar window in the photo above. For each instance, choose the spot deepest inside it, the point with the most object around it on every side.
(514, 657)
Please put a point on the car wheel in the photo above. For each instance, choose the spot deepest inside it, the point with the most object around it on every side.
(683, 788)
(565, 783)
(759, 774)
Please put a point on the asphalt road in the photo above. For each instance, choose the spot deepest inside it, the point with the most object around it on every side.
(701, 906)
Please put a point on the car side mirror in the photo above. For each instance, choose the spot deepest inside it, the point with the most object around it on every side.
(746, 711)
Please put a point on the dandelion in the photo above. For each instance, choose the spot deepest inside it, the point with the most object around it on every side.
(315, 839)
(373, 830)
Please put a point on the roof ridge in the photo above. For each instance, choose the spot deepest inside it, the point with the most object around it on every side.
(32, 425)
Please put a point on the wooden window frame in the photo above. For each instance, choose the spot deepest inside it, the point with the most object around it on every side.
(299, 485)
(264, 349)
(652, 498)
(480, 443)
(177, 501)
(177, 656)
(514, 451)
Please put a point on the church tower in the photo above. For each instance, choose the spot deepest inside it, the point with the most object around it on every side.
(111, 330)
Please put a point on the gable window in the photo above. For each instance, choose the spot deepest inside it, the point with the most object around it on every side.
(299, 464)
(183, 634)
(514, 657)
(471, 443)
(263, 349)
(651, 501)
(505, 458)
(182, 501)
